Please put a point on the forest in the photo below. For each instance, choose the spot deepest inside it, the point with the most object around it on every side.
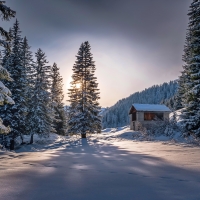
(53, 149)
(32, 90)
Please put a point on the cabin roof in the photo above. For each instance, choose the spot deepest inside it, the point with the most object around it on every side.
(151, 107)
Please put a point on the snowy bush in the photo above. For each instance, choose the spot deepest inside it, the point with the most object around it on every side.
(158, 127)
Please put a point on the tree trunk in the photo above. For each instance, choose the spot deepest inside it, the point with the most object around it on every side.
(31, 140)
(83, 135)
(12, 144)
(22, 138)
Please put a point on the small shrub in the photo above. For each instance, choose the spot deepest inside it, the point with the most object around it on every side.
(158, 127)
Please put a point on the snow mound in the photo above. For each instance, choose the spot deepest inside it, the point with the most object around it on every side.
(108, 135)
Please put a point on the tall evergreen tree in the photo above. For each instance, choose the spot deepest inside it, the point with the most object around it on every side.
(191, 57)
(4, 95)
(178, 103)
(6, 14)
(41, 111)
(84, 95)
(57, 98)
(15, 115)
(28, 64)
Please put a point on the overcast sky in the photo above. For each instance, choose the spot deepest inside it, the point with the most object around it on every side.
(135, 43)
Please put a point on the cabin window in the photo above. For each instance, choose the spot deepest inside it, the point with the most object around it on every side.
(148, 116)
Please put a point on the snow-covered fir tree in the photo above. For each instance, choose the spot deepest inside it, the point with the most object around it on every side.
(191, 70)
(57, 98)
(4, 95)
(15, 115)
(6, 14)
(183, 78)
(41, 120)
(83, 115)
(28, 63)
(178, 104)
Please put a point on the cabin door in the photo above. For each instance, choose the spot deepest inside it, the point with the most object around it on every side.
(133, 126)
(134, 116)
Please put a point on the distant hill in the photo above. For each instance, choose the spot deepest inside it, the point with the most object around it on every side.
(117, 115)
(103, 110)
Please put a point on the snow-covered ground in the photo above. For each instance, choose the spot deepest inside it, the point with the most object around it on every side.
(116, 164)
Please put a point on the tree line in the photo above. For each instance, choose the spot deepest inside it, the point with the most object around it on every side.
(31, 90)
(188, 95)
(36, 107)
(36, 89)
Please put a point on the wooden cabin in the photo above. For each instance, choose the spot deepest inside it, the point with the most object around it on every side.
(146, 114)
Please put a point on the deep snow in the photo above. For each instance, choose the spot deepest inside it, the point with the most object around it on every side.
(113, 165)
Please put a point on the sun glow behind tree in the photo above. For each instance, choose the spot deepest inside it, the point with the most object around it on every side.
(84, 95)
(78, 85)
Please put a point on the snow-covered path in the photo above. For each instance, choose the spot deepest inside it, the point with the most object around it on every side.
(100, 169)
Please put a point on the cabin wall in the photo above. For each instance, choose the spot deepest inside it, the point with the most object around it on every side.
(140, 116)
(166, 115)
(134, 125)
(131, 122)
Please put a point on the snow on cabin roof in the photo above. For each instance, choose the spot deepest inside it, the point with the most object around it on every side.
(151, 107)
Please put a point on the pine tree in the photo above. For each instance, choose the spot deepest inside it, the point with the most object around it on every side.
(5, 93)
(15, 115)
(40, 115)
(191, 86)
(6, 14)
(178, 104)
(28, 64)
(84, 95)
(57, 98)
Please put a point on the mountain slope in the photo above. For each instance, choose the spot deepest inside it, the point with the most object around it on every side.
(117, 115)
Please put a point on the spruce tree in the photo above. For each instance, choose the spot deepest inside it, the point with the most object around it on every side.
(191, 86)
(178, 103)
(83, 116)
(15, 115)
(6, 14)
(57, 98)
(40, 115)
(4, 95)
(28, 64)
